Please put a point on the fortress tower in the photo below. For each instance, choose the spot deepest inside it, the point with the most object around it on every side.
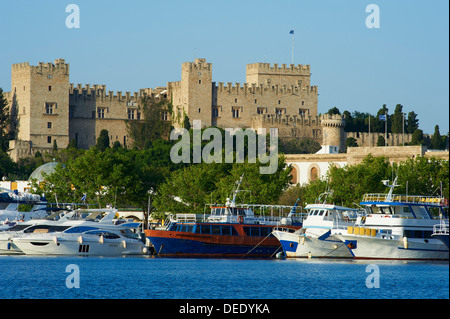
(40, 99)
(333, 134)
(263, 73)
(196, 80)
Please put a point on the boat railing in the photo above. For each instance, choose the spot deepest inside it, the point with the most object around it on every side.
(397, 198)
(441, 228)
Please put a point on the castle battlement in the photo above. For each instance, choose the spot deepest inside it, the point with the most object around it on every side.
(332, 120)
(286, 119)
(59, 66)
(252, 88)
(98, 91)
(198, 65)
(298, 69)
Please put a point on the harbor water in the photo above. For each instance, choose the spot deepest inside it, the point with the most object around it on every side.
(24, 277)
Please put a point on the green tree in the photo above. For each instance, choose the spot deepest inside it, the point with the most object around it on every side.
(155, 124)
(417, 138)
(350, 183)
(436, 140)
(351, 142)
(189, 189)
(4, 122)
(334, 110)
(412, 123)
(397, 119)
(103, 140)
(381, 141)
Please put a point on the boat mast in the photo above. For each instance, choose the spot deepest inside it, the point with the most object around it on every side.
(233, 201)
(394, 184)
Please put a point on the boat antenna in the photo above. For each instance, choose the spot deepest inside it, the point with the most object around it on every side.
(233, 201)
(394, 184)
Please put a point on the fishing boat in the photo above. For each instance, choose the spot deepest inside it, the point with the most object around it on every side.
(229, 231)
(314, 238)
(10, 202)
(396, 227)
(95, 235)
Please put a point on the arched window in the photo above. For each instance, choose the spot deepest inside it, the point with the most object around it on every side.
(294, 175)
(314, 174)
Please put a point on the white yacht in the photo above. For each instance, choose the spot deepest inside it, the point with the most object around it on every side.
(82, 237)
(397, 227)
(10, 202)
(51, 222)
(314, 238)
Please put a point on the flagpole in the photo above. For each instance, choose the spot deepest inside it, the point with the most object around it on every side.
(370, 141)
(292, 46)
(385, 128)
(403, 129)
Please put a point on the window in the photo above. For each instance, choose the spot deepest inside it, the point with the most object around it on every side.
(235, 111)
(303, 102)
(303, 112)
(164, 116)
(49, 124)
(49, 87)
(49, 107)
(49, 76)
(130, 114)
(205, 229)
(314, 174)
(215, 112)
(316, 133)
(235, 100)
(199, 109)
(138, 115)
(199, 81)
(279, 111)
(101, 112)
(256, 101)
(49, 139)
(260, 110)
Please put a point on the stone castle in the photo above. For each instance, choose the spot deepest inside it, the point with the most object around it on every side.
(50, 111)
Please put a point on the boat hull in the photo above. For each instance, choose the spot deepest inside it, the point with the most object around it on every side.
(76, 247)
(183, 244)
(7, 247)
(394, 249)
(301, 246)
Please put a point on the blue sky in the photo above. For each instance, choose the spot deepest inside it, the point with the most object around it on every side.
(129, 45)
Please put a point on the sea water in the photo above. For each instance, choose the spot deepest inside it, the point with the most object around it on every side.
(166, 278)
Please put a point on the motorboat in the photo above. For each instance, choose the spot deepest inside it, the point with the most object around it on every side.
(96, 235)
(230, 231)
(397, 227)
(10, 207)
(314, 239)
(58, 216)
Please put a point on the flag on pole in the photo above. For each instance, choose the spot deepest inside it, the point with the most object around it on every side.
(382, 117)
(83, 199)
(291, 32)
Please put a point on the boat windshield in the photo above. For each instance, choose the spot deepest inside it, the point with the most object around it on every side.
(80, 229)
(45, 229)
